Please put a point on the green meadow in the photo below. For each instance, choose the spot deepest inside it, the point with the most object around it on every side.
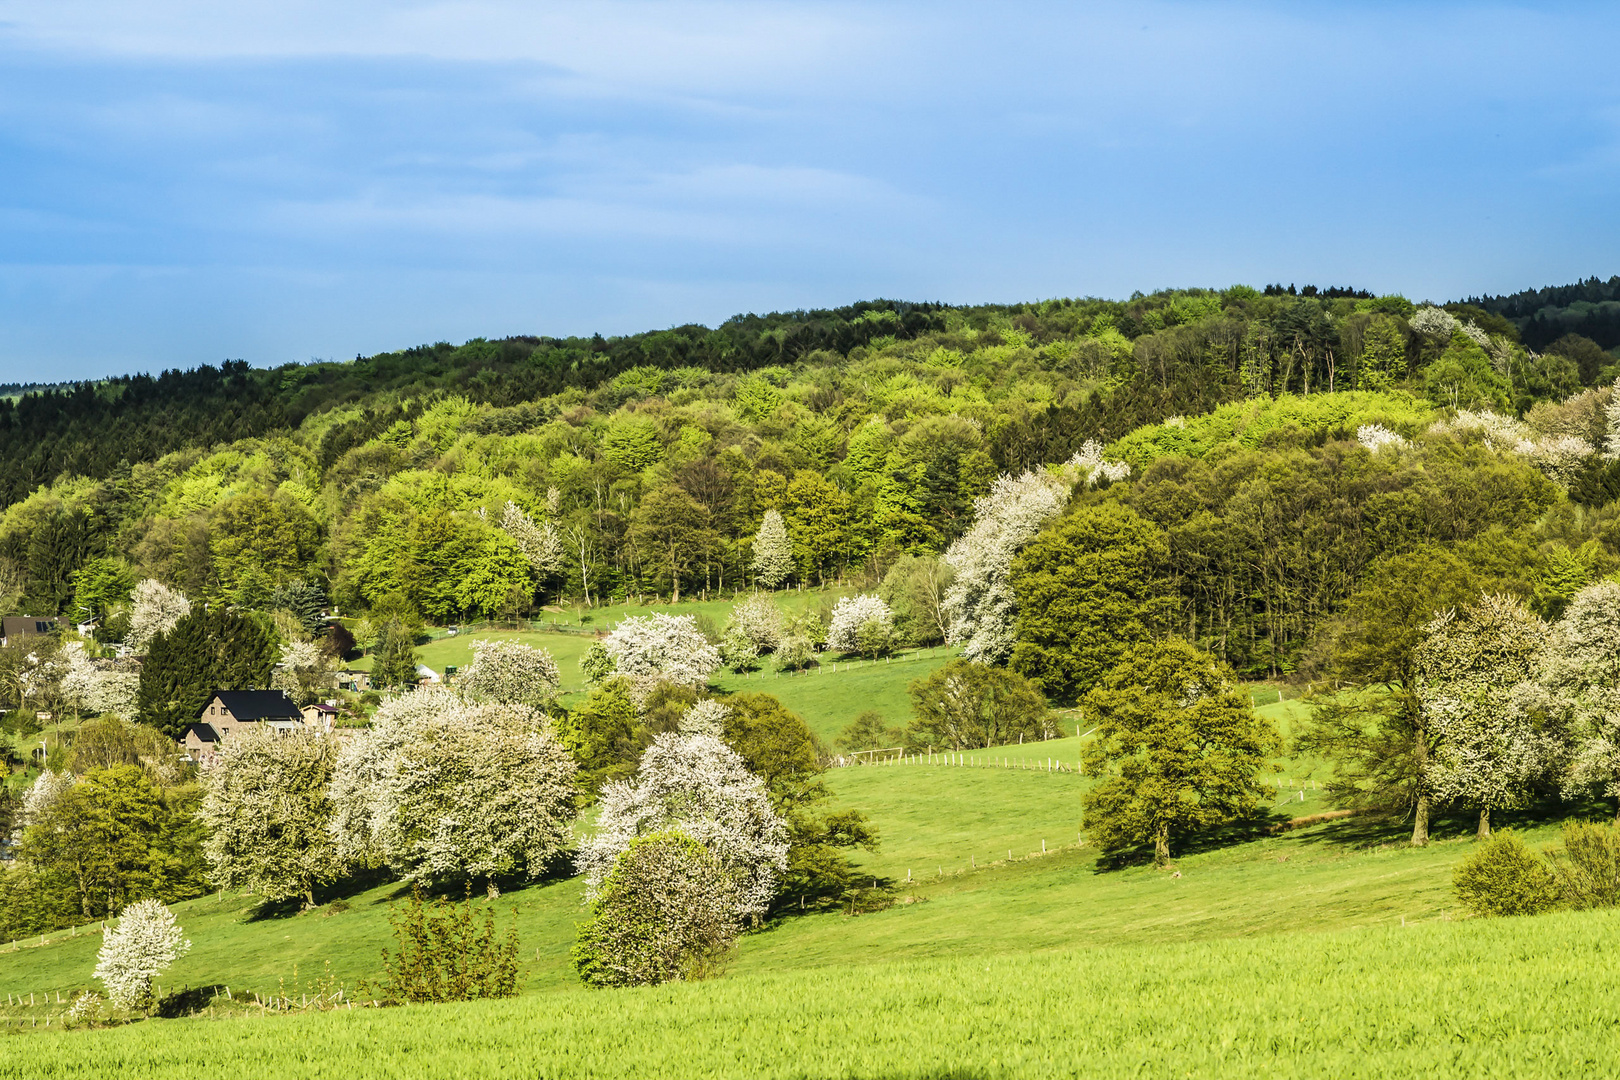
(1009, 952)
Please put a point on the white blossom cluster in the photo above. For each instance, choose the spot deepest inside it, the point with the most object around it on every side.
(1582, 670)
(979, 603)
(758, 619)
(1433, 322)
(850, 614)
(99, 687)
(1560, 457)
(146, 940)
(1612, 414)
(705, 718)
(1090, 460)
(43, 793)
(540, 542)
(1374, 437)
(773, 551)
(438, 786)
(510, 671)
(699, 785)
(1477, 686)
(154, 609)
(659, 648)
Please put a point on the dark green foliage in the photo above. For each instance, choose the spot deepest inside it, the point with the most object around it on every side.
(396, 658)
(1177, 750)
(775, 743)
(665, 913)
(819, 871)
(1503, 877)
(445, 955)
(601, 733)
(1597, 483)
(966, 704)
(1588, 867)
(1088, 589)
(306, 600)
(210, 649)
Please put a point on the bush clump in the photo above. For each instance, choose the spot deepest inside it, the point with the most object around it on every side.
(1503, 877)
(666, 912)
(1588, 869)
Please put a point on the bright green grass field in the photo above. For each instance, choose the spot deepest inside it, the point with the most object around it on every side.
(1530, 998)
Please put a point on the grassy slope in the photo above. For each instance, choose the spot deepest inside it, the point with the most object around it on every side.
(1509, 997)
(932, 818)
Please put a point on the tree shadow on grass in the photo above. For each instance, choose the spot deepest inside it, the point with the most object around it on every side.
(186, 1002)
(335, 898)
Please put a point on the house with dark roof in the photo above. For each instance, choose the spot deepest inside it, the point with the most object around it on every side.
(14, 628)
(231, 710)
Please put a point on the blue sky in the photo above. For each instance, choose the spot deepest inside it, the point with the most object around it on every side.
(184, 182)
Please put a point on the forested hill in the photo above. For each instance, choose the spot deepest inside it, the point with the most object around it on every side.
(465, 482)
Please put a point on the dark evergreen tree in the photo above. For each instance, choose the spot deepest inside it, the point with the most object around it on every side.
(210, 649)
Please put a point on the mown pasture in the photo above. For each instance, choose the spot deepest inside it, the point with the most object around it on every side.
(1529, 998)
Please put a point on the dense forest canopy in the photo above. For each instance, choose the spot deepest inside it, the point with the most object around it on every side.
(487, 479)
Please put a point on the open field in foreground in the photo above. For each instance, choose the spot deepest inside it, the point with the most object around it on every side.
(1528, 998)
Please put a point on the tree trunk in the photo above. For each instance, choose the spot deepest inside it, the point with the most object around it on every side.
(309, 895)
(1484, 824)
(1420, 814)
(1161, 845)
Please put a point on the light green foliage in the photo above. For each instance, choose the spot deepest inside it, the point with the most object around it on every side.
(1383, 355)
(110, 840)
(1588, 866)
(99, 585)
(1177, 750)
(1503, 877)
(632, 444)
(1249, 423)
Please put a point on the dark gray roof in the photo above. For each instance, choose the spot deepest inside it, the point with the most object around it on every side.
(18, 625)
(204, 732)
(257, 704)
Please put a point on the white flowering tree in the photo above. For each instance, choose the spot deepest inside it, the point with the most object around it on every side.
(667, 912)
(540, 542)
(1376, 437)
(439, 787)
(42, 794)
(304, 672)
(1611, 414)
(1486, 715)
(757, 618)
(659, 648)
(773, 551)
(1581, 669)
(700, 786)
(1433, 322)
(1089, 460)
(979, 601)
(141, 947)
(154, 609)
(510, 672)
(707, 717)
(266, 813)
(852, 613)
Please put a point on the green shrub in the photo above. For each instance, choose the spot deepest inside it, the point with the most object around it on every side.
(1588, 869)
(1503, 877)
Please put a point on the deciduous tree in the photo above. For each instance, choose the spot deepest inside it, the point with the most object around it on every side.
(1177, 751)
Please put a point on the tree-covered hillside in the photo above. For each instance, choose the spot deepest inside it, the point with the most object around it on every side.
(487, 479)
